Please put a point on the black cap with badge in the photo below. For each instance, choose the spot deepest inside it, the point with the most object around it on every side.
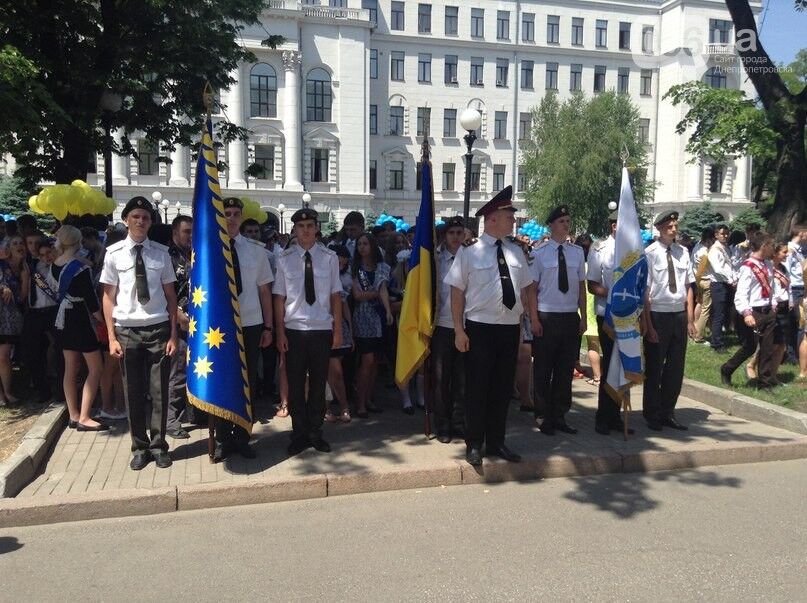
(559, 212)
(306, 213)
(232, 202)
(138, 203)
(666, 217)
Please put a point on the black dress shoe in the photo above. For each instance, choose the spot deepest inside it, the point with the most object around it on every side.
(178, 434)
(654, 426)
(671, 422)
(525, 408)
(99, 427)
(473, 456)
(562, 425)
(408, 410)
(71, 424)
(443, 438)
(246, 451)
(297, 446)
(505, 453)
(220, 453)
(140, 460)
(620, 427)
(162, 460)
(725, 377)
(547, 428)
(321, 445)
(602, 428)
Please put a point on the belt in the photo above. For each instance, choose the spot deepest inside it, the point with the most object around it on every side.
(762, 309)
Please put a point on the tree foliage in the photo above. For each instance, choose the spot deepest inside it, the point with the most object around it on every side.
(564, 162)
(697, 219)
(747, 217)
(13, 196)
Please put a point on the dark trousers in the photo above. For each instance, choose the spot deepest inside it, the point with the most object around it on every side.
(664, 365)
(144, 354)
(177, 381)
(309, 354)
(490, 370)
(607, 407)
(555, 352)
(722, 300)
(792, 336)
(761, 336)
(228, 433)
(34, 341)
(449, 382)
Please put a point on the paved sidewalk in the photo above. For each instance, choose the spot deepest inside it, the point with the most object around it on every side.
(87, 462)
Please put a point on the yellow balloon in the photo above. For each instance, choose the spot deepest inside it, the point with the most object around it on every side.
(263, 217)
(32, 204)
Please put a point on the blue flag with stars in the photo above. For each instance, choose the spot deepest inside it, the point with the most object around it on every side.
(217, 366)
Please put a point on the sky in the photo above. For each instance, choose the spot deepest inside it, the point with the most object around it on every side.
(784, 30)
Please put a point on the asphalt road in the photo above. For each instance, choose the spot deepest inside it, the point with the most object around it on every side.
(725, 533)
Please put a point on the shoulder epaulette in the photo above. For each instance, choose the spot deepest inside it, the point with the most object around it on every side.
(286, 252)
(116, 247)
(327, 251)
(470, 242)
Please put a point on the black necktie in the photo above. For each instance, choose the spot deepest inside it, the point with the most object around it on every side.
(141, 282)
(236, 267)
(508, 293)
(671, 272)
(310, 294)
(563, 276)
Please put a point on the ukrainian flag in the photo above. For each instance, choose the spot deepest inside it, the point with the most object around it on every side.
(417, 312)
(217, 366)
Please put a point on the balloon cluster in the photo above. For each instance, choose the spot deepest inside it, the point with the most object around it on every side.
(400, 225)
(7, 217)
(533, 230)
(252, 209)
(439, 222)
(77, 198)
(647, 236)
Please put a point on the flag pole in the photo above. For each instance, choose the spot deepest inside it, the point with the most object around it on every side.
(207, 99)
(427, 363)
(624, 155)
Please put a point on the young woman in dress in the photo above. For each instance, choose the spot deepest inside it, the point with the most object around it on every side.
(14, 283)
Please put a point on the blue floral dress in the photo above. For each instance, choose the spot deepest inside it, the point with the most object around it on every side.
(369, 315)
(11, 311)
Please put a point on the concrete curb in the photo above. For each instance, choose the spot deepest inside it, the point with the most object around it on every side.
(20, 468)
(122, 503)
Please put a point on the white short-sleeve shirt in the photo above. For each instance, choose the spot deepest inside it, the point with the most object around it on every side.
(658, 281)
(290, 283)
(545, 274)
(255, 271)
(601, 270)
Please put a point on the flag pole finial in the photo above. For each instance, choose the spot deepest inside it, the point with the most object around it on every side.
(208, 98)
(624, 154)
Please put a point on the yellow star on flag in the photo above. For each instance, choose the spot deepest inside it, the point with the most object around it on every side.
(199, 296)
(202, 367)
(191, 326)
(214, 338)
(193, 257)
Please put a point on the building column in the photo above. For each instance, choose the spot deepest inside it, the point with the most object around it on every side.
(120, 163)
(740, 187)
(236, 150)
(179, 167)
(291, 119)
(694, 181)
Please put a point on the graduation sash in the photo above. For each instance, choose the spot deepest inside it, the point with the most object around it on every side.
(65, 300)
(43, 286)
(761, 276)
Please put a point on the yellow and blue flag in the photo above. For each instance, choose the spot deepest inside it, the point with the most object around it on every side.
(217, 367)
(417, 311)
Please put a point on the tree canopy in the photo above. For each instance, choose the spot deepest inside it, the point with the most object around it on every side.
(564, 163)
(695, 220)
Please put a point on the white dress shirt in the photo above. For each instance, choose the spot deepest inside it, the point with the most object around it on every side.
(255, 268)
(119, 270)
(290, 283)
(658, 281)
(444, 262)
(601, 270)
(43, 300)
(720, 267)
(795, 264)
(545, 274)
(476, 272)
(749, 289)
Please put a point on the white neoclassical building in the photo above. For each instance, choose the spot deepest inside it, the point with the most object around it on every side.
(339, 110)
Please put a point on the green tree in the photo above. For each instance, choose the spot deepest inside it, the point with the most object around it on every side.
(747, 217)
(13, 196)
(698, 218)
(564, 163)
(156, 55)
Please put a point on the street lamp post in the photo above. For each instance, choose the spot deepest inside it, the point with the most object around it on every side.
(281, 208)
(110, 104)
(178, 205)
(165, 204)
(306, 199)
(470, 120)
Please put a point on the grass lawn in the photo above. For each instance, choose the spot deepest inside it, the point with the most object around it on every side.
(702, 364)
(15, 421)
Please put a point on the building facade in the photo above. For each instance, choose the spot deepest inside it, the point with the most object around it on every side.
(340, 109)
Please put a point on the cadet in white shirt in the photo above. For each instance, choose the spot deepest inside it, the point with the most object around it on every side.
(722, 277)
(797, 253)
(670, 303)
(308, 314)
(558, 317)
(489, 283)
(140, 309)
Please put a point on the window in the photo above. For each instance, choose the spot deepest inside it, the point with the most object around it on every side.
(451, 69)
(476, 173)
(396, 121)
(262, 91)
(601, 38)
(552, 29)
(372, 6)
(501, 72)
(503, 25)
(425, 68)
(448, 176)
(500, 125)
(396, 175)
(424, 18)
(477, 67)
(396, 22)
(646, 83)
(498, 178)
(477, 22)
(396, 66)
(338, 3)
(265, 157)
(719, 31)
(577, 31)
(373, 175)
(419, 176)
(644, 131)
(147, 158)
(522, 179)
(624, 35)
(524, 125)
(319, 165)
(452, 14)
(318, 95)
(599, 78)
(373, 119)
(716, 77)
(526, 75)
(623, 80)
(449, 123)
(528, 27)
(716, 179)
(647, 39)
(373, 64)
(575, 77)
(424, 121)
(551, 76)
